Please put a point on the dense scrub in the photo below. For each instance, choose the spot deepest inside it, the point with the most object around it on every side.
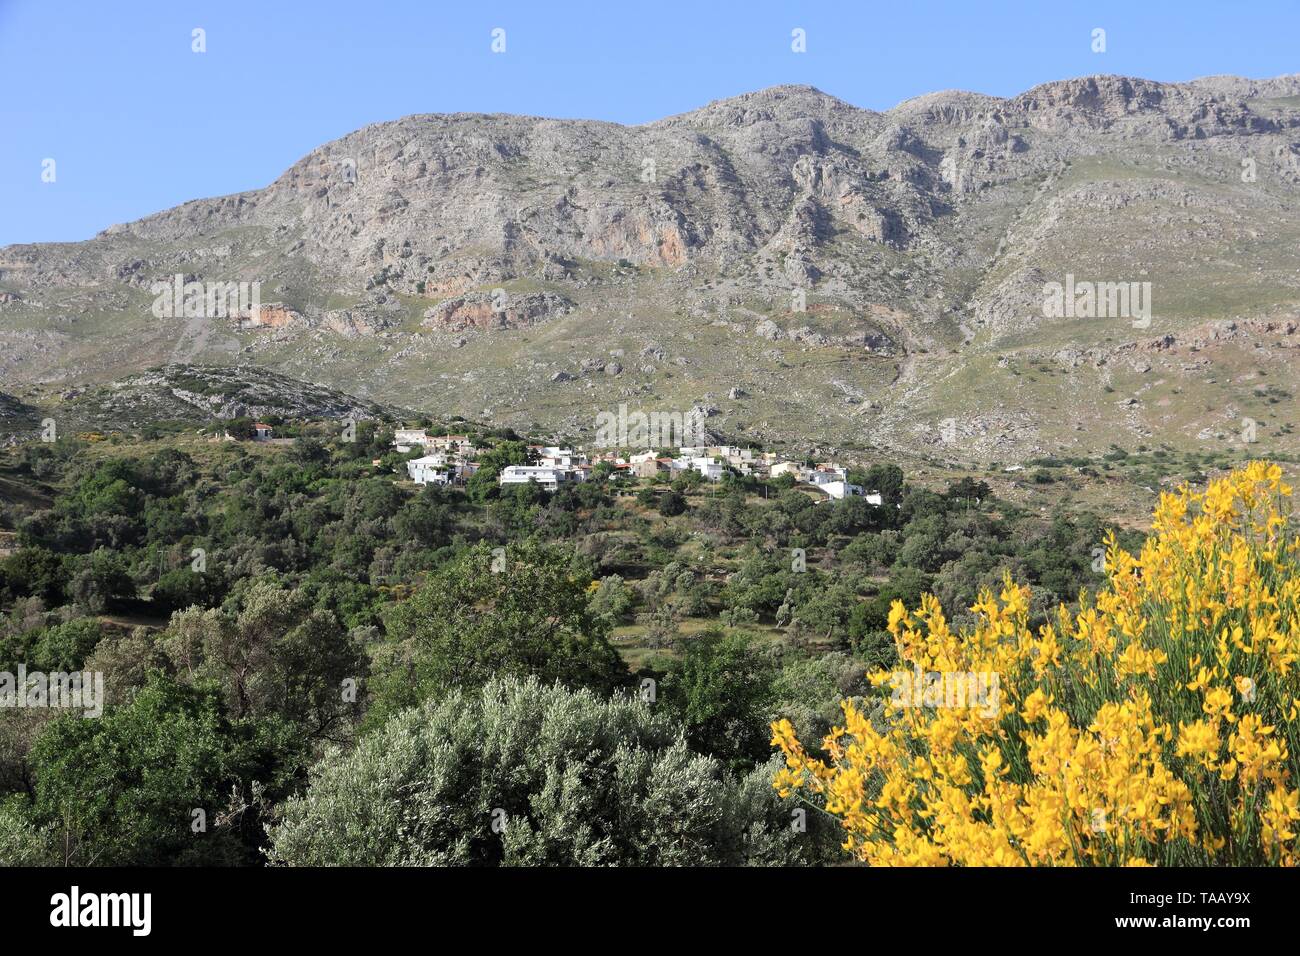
(258, 612)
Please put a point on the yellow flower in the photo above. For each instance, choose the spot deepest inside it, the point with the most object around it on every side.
(1114, 745)
(1218, 703)
(1035, 705)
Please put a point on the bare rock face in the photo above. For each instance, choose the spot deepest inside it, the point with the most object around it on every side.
(498, 310)
(200, 393)
(444, 205)
(353, 323)
(461, 260)
(849, 199)
(273, 316)
(808, 336)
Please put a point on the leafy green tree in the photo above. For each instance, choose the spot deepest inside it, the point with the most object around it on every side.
(869, 619)
(49, 461)
(687, 481)
(808, 690)
(240, 427)
(720, 688)
(65, 647)
(278, 656)
(34, 571)
(876, 551)
(968, 491)
(169, 472)
(522, 611)
(520, 773)
(760, 584)
(100, 579)
(428, 518)
(612, 598)
(22, 841)
(310, 451)
(924, 547)
(826, 612)
(123, 790)
(671, 504)
(852, 515)
(887, 479)
(180, 588)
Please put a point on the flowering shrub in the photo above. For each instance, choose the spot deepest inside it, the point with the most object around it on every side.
(1155, 725)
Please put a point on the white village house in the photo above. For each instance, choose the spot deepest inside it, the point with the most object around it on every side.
(551, 456)
(404, 439)
(430, 470)
(458, 444)
(448, 462)
(549, 477)
(711, 470)
(839, 490)
(824, 473)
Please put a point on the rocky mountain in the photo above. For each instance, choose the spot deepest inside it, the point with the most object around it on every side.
(808, 271)
(203, 393)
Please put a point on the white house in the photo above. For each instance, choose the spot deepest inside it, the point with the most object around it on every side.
(839, 490)
(553, 457)
(824, 472)
(261, 432)
(548, 477)
(404, 439)
(430, 470)
(710, 469)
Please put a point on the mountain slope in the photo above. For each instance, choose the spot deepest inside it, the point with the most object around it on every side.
(198, 394)
(810, 271)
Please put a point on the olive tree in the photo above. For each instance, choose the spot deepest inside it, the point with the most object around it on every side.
(521, 773)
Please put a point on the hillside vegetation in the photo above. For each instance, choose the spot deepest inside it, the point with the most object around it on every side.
(285, 628)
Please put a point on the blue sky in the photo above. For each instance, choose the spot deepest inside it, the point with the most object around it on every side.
(136, 122)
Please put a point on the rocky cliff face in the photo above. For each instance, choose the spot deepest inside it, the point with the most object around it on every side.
(412, 256)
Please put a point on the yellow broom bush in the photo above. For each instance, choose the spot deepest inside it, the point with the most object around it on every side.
(1155, 725)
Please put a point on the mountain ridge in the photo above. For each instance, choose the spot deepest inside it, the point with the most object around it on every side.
(536, 270)
(1288, 82)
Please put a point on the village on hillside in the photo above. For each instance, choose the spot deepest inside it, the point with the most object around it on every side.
(452, 459)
